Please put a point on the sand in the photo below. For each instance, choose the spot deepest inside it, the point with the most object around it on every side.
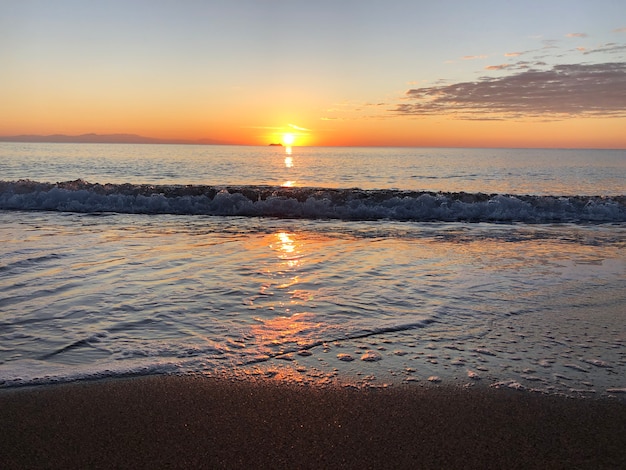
(198, 422)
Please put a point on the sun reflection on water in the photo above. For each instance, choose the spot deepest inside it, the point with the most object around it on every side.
(289, 250)
(286, 330)
(288, 165)
(284, 323)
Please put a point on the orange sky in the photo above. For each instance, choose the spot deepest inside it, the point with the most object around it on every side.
(356, 74)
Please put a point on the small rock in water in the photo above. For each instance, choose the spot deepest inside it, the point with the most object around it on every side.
(305, 353)
(345, 357)
(473, 375)
(371, 356)
(400, 353)
(434, 379)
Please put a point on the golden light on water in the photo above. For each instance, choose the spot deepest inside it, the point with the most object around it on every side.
(287, 242)
(283, 332)
(286, 329)
(288, 165)
(288, 249)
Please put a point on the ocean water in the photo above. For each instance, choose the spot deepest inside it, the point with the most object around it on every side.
(356, 266)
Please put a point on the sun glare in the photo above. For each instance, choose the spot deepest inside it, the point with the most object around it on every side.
(288, 139)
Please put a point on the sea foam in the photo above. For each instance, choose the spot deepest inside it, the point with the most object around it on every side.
(308, 202)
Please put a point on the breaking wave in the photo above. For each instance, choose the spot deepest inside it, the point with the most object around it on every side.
(308, 203)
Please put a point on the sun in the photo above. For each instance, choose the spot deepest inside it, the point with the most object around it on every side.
(289, 139)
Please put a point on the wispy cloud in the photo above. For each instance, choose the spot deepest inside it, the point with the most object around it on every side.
(497, 67)
(608, 48)
(298, 128)
(576, 35)
(473, 57)
(563, 91)
(550, 43)
(620, 30)
(513, 54)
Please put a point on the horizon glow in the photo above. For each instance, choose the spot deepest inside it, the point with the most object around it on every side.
(359, 73)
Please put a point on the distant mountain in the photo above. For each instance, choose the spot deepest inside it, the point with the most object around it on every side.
(104, 139)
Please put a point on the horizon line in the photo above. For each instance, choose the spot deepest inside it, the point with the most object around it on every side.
(126, 138)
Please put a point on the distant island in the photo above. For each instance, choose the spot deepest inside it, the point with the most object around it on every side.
(276, 145)
(105, 139)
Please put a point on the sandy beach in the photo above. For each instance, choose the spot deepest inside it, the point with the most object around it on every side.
(197, 422)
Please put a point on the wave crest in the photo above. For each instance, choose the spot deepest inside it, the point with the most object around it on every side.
(307, 202)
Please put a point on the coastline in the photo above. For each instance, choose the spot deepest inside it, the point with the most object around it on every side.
(200, 422)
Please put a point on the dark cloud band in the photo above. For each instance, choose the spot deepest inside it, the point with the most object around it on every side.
(563, 91)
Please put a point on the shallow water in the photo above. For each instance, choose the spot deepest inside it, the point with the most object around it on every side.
(313, 299)
(87, 295)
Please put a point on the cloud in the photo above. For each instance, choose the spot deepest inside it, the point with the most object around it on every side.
(550, 43)
(620, 30)
(608, 48)
(513, 54)
(497, 67)
(473, 57)
(298, 128)
(564, 91)
(576, 35)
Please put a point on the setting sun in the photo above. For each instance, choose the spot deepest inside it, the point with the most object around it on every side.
(288, 139)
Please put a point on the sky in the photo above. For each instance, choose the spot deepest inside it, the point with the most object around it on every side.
(549, 73)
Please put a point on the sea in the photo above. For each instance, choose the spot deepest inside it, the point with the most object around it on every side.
(359, 267)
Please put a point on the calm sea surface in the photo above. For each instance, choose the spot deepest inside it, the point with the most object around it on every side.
(542, 172)
(364, 266)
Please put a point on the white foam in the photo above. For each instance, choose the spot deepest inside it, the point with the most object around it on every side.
(33, 372)
(347, 204)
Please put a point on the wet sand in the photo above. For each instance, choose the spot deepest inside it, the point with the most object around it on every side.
(194, 422)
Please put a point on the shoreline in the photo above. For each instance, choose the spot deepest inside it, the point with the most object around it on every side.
(208, 422)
